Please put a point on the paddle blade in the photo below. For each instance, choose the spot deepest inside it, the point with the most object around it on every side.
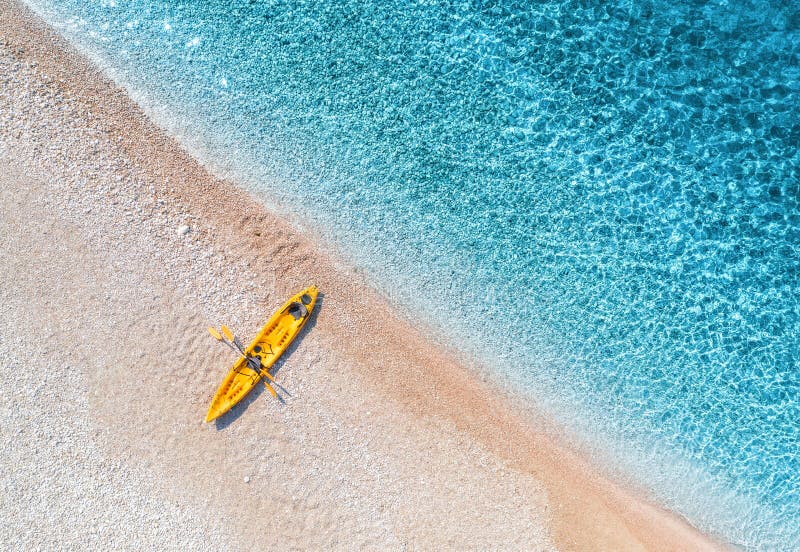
(271, 390)
(267, 375)
(228, 333)
(214, 333)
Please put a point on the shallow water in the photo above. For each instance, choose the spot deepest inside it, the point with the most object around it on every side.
(609, 195)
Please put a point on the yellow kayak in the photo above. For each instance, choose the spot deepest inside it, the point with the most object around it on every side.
(270, 343)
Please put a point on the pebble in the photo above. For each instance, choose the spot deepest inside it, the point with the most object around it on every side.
(247, 479)
(183, 230)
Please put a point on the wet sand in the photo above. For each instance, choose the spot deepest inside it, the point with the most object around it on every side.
(385, 438)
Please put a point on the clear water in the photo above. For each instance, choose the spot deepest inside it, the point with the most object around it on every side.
(609, 192)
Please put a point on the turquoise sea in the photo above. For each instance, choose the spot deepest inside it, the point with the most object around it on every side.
(607, 192)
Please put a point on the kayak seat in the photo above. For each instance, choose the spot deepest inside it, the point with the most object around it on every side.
(298, 310)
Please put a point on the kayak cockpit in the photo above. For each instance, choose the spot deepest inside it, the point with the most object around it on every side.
(298, 310)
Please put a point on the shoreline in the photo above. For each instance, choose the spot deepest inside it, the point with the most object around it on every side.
(584, 509)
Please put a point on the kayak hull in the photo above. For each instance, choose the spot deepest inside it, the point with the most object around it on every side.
(269, 344)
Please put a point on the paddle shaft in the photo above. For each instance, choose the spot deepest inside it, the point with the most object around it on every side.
(250, 362)
(234, 346)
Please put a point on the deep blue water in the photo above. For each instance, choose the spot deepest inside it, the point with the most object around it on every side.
(608, 192)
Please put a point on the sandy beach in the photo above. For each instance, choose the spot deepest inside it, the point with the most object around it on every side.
(387, 440)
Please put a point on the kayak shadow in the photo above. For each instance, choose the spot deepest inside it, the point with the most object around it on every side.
(234, 413)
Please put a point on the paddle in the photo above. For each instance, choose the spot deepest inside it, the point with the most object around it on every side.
(269, 387)
(253, 363)
(215, 334)
(233, 338)
(269, 376)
